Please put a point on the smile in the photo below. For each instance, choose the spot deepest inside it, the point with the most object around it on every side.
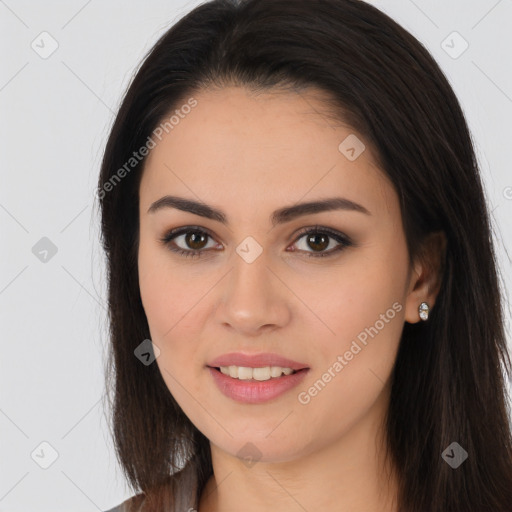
(255, 385)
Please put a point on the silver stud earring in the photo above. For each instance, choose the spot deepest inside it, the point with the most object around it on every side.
(423, 310)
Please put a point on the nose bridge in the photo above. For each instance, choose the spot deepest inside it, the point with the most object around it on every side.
(250, 277)
(253, 297)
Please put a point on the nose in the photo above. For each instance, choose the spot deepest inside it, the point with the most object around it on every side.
(253, 298)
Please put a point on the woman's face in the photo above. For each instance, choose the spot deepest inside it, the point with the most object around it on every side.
(260, 286)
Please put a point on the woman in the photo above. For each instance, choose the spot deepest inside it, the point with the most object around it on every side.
(303, 292)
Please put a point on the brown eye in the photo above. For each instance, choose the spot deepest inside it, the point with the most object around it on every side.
(319, 242)
(189, 241)
(318, 239)
(195, 241)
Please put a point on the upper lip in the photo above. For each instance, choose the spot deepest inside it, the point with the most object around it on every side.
(255, 361)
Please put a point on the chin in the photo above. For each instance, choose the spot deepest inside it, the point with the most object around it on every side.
(256, 448)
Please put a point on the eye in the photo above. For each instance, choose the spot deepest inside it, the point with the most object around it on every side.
(195, 240)
(317, 237)
(190, 236)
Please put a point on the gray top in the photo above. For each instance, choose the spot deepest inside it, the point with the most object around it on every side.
(185, 499)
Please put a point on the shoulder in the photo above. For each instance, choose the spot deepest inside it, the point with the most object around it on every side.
(132, 504)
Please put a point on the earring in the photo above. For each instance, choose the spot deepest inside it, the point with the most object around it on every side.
(423, 310)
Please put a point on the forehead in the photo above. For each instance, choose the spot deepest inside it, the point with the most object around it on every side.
(278, 146)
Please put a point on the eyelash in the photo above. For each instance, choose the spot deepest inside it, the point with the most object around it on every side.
(343, 240)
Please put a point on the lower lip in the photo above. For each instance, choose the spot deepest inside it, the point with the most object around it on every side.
(254, 391)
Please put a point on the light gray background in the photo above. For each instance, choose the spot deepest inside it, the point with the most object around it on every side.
(55, 116)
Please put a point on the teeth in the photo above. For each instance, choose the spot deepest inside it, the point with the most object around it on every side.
(247, 373)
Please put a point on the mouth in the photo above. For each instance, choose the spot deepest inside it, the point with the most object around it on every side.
(255, 378)
(255, 385)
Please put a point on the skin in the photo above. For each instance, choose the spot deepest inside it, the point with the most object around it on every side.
(231, 151)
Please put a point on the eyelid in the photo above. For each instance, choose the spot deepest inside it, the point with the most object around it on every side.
(333, 233)
(185, 229)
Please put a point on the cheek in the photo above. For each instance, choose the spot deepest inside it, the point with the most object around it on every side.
(172, 303)
(355, 367)
(365, 293)
(365, 309)
(167, 292)
(172, 331)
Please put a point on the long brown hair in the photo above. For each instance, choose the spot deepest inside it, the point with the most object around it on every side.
(448, 379)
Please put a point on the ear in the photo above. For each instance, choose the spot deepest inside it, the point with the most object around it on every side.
(426, 276)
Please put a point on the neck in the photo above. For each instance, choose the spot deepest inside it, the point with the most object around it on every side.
(347, 475)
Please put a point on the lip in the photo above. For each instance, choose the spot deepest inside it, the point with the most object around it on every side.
(255, 361)
(253, 391)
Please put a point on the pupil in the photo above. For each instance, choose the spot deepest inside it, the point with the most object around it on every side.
(313, 239)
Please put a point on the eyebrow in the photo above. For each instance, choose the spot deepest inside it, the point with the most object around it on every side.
(280, 216)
